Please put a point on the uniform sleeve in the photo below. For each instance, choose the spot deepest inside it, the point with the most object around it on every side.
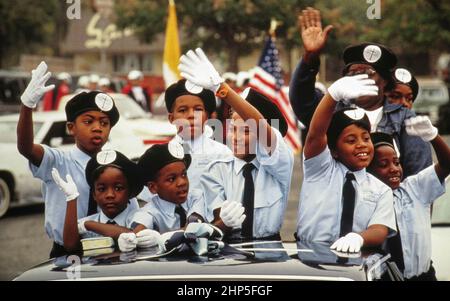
(280, 163)
(384, 213)
(212, 184)
(52, 157)
(425, 186)
(303, 95)
(316, 167)
(144, 217)
(89, 234)
(198, 204)
(415, 154)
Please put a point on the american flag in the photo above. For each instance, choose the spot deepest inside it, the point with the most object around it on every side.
(268, 80)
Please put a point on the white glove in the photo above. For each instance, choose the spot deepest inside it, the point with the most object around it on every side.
(36, 87)
(147, 238)
(352, 243)
(231, 214)
(163, 238)
(196, 68)
(352, 87)
(69, 188)
(421, 126)
(127, 242)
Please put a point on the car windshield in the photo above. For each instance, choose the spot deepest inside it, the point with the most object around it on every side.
(441, 209)
(8, 131)
(128, 108)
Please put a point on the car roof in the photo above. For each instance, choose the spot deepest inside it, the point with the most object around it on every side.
(270, 261)
(37, 116)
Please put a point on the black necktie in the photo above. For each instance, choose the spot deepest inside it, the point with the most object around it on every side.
(248, 200)
(111, 222)
(180, 211)
(348, 205)
(395, 248)
(92, 206)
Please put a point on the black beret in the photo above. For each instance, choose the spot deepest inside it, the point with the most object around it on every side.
(267, 108)
(342, 119)
(179, 89)
(403, 76)
(380, 139)
(160, 155)
(116, 159)
(376, 55)
(92, 101)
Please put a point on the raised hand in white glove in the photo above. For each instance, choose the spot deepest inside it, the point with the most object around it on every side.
(352, 87)
(69, 188)
(147, 238)
(196, 68)
(36, 87)
(127, 242)
(352, 243)
(421, 126)
(232, 214)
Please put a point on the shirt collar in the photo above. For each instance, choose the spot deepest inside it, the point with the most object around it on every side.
(167, 207)
(120, 219)
(196, 144)
(360, 175)
(239, 164)
(80, 156)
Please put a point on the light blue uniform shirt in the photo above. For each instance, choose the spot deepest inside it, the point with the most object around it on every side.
(159, 214)
(412, 202)
(203, 150)
(124, 219)
(223, 180)
(71, 162)
(320, 209)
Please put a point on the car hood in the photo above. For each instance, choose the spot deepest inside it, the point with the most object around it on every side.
(151, 127)
(259, 260)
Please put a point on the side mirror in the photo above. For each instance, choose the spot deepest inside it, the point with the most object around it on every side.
(56, 142)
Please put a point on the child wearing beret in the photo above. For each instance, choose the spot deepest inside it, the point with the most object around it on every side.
(405, 90)
(90, 117)
(113, 180)
(258, 175)
(413, 197)
(340, 202)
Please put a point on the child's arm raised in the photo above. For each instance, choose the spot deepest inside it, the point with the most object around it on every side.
(30, 97)
(421, 126)
(197, 68)
(346, 88)
(71, 236)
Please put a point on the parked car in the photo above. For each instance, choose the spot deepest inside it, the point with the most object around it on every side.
(17, 185)
(433, 93)
(440, 235)
(12, 85)
(251, 261)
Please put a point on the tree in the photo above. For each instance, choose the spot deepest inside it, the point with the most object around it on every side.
(228, 27)
(29, 25)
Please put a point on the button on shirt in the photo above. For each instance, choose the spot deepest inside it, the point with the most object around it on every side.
(123, 219)
(159, 214)
(223, 180)
(71, 162)
(319, 213)
(412, 201)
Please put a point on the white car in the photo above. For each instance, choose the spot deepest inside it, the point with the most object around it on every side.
(440, 235)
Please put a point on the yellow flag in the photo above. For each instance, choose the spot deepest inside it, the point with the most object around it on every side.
(171, 48)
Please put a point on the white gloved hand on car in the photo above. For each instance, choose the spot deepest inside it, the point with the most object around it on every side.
(421, 126)
(196, 68)
(163, 238)
(232, 214)
(127, 242)
(36, 87)
(147, 238)
(69, 188)
(352, 243)
(352, 87)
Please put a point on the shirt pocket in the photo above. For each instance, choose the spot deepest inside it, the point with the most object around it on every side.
(364, 212)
